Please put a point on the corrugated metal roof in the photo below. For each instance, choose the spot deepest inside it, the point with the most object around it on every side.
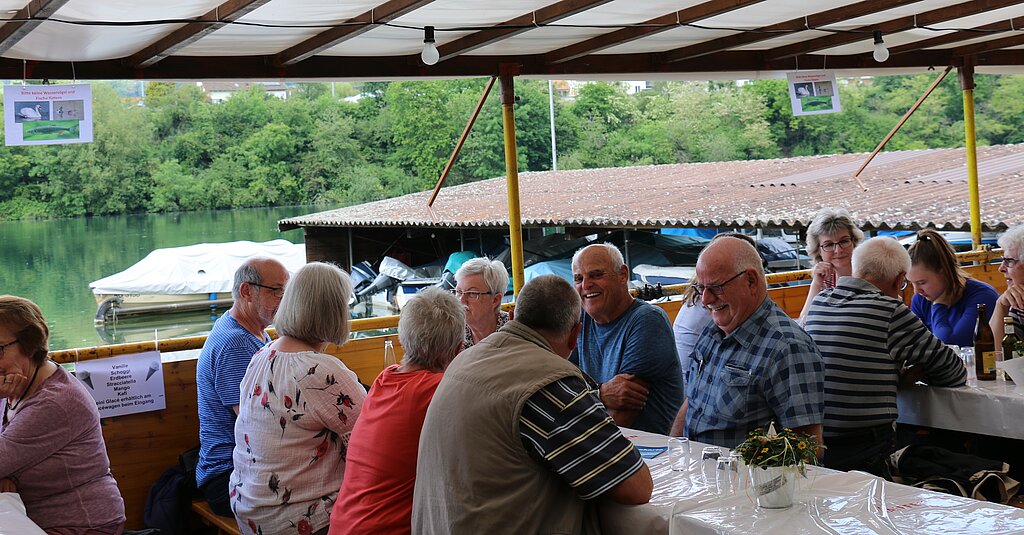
(900, 194)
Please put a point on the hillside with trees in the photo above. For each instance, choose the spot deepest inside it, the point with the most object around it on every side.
(175, 150)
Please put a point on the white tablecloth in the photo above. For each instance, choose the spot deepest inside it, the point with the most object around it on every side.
(12, 517)
(983, 407)
(827, 502)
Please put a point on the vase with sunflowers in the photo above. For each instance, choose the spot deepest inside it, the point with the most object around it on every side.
(775, 461)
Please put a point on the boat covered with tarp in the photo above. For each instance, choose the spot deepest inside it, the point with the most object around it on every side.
(192, 277)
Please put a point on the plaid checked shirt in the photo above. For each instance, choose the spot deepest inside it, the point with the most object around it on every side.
(767, 370)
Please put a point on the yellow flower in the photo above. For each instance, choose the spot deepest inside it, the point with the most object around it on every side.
(802, 445)
(764, 450)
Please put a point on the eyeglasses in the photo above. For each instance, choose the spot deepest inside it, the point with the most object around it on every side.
(278, 291)
(845, 243)
(717, 289)
(3, 347)
(1009, 262)
(473, 296)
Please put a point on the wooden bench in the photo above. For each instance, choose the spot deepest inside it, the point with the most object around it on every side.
(223, 524)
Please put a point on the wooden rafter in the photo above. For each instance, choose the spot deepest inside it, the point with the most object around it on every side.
(988, 46)
(209, 22)
(823, 18)
(955, 37)
(647, 28)
(353, 27)
(12, 32)
(518, 25)
(935, 16)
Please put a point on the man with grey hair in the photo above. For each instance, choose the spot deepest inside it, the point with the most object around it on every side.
(1011, 303)
(625, 344)
(754, 365)
(257, 290)
(869, 340)
(514, 441)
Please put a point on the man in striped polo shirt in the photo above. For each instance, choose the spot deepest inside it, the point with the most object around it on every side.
(515, 440)
(870, 340)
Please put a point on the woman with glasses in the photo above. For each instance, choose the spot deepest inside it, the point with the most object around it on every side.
(480, 284)
(831, 238)
(51, 449)
(1011, 303)
(945, 297)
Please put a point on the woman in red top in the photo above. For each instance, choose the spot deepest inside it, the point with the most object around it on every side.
(380, 469)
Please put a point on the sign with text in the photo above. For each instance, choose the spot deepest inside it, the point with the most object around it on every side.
(124, 385)
(813, 92)
(47, 114)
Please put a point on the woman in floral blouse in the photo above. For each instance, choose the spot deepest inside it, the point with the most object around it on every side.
(297, 410)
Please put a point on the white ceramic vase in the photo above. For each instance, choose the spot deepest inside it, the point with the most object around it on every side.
(774, 486)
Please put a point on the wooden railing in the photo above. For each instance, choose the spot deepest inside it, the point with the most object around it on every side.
(141, 446)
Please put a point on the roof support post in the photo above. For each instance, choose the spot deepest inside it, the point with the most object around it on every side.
(515, 220)
(966, 73)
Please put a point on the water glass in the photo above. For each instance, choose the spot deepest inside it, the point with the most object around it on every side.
(967, 354)
(679, 453)
(726, 475)
(708, 459)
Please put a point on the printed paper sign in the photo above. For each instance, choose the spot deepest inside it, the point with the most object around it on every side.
(47, 114)
(813, 92)
(124, 385)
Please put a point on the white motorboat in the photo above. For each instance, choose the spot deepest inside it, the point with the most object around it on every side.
(193, 277)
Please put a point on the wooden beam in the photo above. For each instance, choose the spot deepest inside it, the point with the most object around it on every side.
(863, 33)
(518, 25)
(977, 31)
(988, 46)
(647, 28)
(12, 32)
(822, 18)
(206, 24)
(386, 12)
(179, 67)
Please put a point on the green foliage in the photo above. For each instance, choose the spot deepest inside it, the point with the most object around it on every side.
(176, 150)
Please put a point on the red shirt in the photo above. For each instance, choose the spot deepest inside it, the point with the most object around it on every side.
(380, 468)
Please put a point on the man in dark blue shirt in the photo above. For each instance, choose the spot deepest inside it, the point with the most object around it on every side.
(625, 344)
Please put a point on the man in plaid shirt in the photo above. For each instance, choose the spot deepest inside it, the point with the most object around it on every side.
(753, 365)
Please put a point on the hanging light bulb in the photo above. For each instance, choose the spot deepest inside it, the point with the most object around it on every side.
(880, 53)
(429, 54)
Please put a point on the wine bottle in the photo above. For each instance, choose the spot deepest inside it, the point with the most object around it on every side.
(1010, 341)
(984, 347)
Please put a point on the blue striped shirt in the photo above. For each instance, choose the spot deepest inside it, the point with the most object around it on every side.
(219, 371)
(766, 370)
(866, 338)
(565, 427)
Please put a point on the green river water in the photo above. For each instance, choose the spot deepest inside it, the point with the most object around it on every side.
(52, 263)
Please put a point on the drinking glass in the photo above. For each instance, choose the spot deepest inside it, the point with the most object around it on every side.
(1000, 374)
(726, 475)
(679, 453)
(708, 459)
(967, 353)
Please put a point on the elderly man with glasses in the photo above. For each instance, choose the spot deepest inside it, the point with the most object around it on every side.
(869, 340)
(754, 365)
(257, 291)
(1011, 303)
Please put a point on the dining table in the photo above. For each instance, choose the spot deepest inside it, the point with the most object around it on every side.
(991, 408)
(693, 501)
(13, 520)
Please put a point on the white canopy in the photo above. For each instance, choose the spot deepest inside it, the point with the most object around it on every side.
(196, 269)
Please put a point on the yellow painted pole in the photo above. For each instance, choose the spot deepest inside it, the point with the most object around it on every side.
(967, 84)
(515, 221)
